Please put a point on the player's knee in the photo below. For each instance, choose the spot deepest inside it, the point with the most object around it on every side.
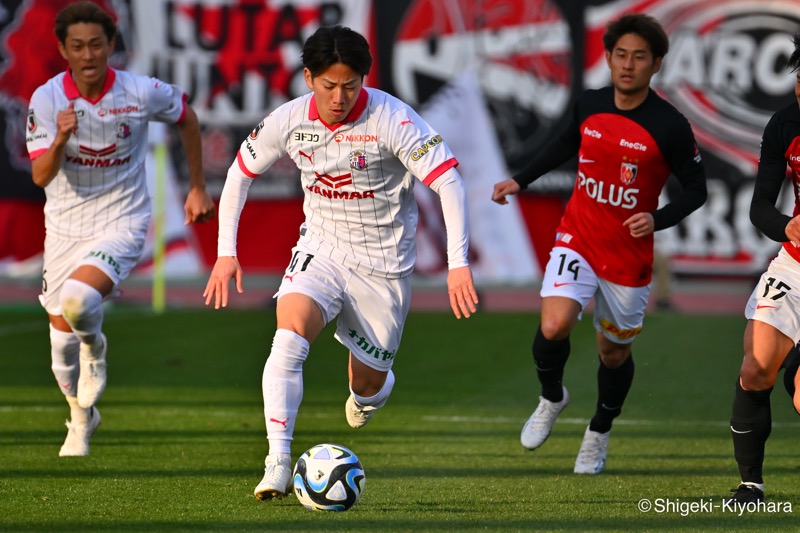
(755, 377)
(367, 383)
(615, 358)
(289, 351)
(78, 300)
(372, 388)
(555, 329)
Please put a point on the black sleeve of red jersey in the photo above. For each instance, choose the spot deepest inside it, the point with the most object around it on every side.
(771, 172)
(685, 163)
(556, 152)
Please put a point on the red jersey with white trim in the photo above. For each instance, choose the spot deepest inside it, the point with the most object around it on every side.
(100, 185)
(624, 159)
(780, 152)
(357, 176)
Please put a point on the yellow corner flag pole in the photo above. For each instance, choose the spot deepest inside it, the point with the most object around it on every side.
(159, 284)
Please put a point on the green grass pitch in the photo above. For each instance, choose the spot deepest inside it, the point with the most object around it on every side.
(182, 441)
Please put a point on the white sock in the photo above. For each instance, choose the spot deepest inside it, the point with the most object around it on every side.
(379, 400)
(82, 308)
(759, 486)
(282, 386)
(64, 354)
(77, 414)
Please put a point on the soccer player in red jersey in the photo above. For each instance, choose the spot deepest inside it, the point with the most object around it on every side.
(87, 139)
(773, 311)
(628, 141)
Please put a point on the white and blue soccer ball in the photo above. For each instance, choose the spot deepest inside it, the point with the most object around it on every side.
(328, 477)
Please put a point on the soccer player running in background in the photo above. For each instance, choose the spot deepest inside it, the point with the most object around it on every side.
(360, 152)
(628, 141)
(773, 311)
(87, 140)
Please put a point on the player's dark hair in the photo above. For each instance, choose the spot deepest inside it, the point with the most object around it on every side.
(88, 12)
(642, 25)
(794, 59)
(330, 45)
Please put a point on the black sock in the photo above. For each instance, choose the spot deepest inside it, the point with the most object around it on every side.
(791, 364)
(613, 385)
(751, 424)
(550, 358)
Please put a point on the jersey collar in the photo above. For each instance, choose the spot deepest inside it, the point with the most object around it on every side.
(355, 113)
(72, 92)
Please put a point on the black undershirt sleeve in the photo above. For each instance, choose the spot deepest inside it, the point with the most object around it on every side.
(555, 153)
(771, 172)
(689, 173)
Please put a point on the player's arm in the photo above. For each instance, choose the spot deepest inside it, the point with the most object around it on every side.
(231, 204)
(556, 152)
(460, 287)
(687, 165)
(764, 213)
(198, 206)
(256, 154)
(45, 167)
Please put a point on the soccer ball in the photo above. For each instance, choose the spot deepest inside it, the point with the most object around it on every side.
(328, 477)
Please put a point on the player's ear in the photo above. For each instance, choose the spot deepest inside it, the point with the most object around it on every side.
(309, 79)
(657, 64)
(62, 50)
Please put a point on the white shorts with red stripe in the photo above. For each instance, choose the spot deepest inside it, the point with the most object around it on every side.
(619, 310)
(776, 298)
(372, 310)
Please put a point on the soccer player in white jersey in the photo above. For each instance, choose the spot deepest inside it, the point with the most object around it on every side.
(87, 140)
(360, 152)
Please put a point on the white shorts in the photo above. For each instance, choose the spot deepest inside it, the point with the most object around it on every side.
(619, 310)
(776, 298)
(115, 254)
(372, 310)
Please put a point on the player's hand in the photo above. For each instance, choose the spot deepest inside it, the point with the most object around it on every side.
(640, 225)
(503, 189)
(793, 231)
(225, 269)
(66, 123)
(199, 207)
(463, 298)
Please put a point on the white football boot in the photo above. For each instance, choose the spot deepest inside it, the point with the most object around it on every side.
(92, 380)
(592, 455)
(357, 415)
(277, 481)
(77, 442)
(537, 428)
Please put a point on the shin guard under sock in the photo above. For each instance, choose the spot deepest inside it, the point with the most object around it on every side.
(550, 357)
(751, 424)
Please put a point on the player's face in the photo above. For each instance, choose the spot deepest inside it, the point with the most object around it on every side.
(632, 64)
(335, 91)
(87, 50)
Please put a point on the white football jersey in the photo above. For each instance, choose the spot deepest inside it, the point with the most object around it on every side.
(357, 176)
(101, 183)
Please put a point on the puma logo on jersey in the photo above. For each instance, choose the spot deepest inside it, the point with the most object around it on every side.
(307, 156)
(290, 277)
(406, 121)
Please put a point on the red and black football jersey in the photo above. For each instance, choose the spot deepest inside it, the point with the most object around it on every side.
(780, 146)
(624, 159)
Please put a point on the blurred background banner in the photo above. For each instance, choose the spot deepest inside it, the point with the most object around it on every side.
(496, 78)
